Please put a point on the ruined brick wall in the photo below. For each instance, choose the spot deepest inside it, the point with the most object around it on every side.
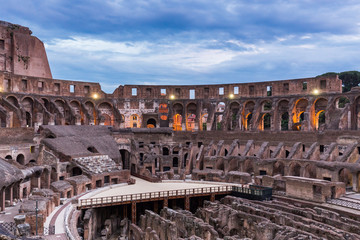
(21, 53)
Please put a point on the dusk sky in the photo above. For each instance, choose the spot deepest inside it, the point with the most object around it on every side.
(118, 42)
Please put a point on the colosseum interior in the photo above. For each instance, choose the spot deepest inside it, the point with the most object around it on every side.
(266, 160)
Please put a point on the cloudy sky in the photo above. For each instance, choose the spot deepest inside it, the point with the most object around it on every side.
(191, 41)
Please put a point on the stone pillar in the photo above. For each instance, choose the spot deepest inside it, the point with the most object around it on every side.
(187, 203)
(212, 197)
(2, 199)
(11, 193)
(166, 202)
(355, 182)
(133, 212)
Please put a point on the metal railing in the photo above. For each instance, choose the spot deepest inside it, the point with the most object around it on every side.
(152, 195)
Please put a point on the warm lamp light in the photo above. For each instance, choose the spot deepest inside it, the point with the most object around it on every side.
(316, 91)
(172, 97)
(95, 96)
(231, 96)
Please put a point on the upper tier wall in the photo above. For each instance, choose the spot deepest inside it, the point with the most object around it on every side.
(46, 86)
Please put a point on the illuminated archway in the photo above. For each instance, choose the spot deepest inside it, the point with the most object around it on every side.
(177, 122)
(134, 121)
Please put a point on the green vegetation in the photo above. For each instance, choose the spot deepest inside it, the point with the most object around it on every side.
(349, 79)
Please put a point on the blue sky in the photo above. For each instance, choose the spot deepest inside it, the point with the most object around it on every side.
(118, 42)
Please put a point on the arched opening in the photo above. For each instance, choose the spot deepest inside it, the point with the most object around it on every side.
(175, 162)
(310, 171)
(190, 123)
(106, 119)
(248, 121)
(248, 166)
(28, 120)
(151, 123)
(177, 122)
(203, 124)
(266, 121)
(20, 159)
(165, 151)
(76, 171)
(345, 176)
(225, 152)
(125, 158)
(341, 102)
(13, 100)
(8, 157)
(92, 149)
(191, 110)
(295, 169)
(279, 168)
(106, 114)
(266, 106)
(320, 119)
(185, 159)
(247, 114)
(220, 107)
(285, 121)
(134, 121)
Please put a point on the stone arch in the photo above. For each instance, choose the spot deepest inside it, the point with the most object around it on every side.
(341, 102)
(345, 176)
(265, 123)
(220, 107)
(20, 159)
(125, 158)
(191, 110)
(151, 123)
(165, 151)
(294, 169)
(310, 171)
(249, 107)
(177, 124)
(13, 100)
(319, 108)
(266, 106)
(248, 166)
(279, 168)
(46, 103)
(8, 157)
(320, 119)
(106, 112)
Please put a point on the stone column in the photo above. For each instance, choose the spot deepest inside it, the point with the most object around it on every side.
(212, 197)
(133, 212)
(2, 199)
(166, 202)
(187, 203)
(355, 182)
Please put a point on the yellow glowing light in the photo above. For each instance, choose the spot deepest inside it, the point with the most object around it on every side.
(316, 91)
(231, 95)
(95, 96)
(172, 97)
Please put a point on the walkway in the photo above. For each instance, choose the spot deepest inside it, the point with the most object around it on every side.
(143, 190)
(349, 201)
